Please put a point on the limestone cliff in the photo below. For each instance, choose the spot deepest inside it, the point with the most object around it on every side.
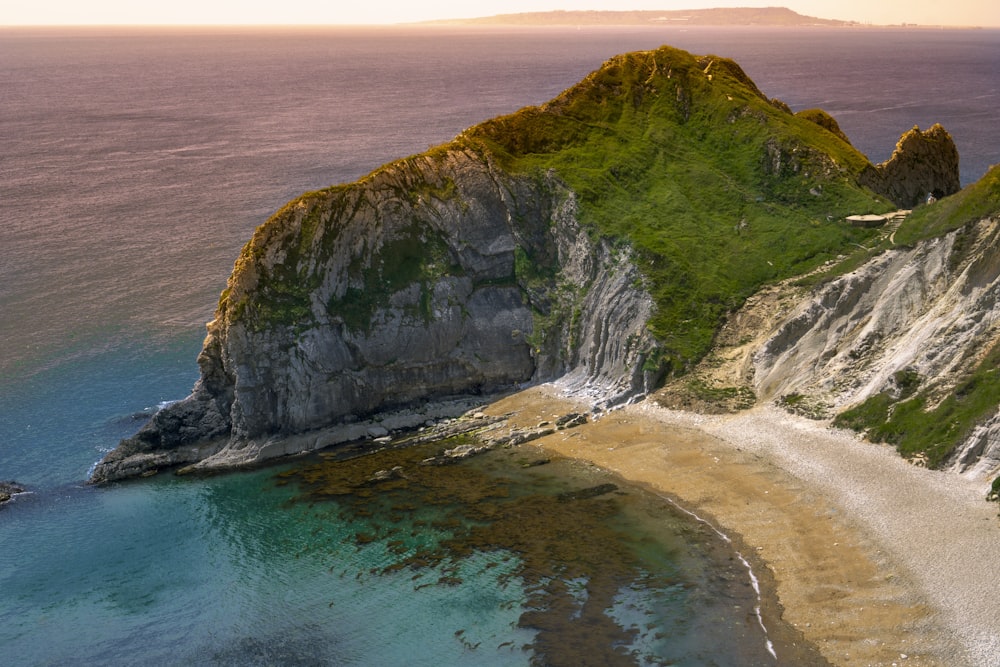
(600, 238)
(904, 348)
(381, 303)
(911, 320)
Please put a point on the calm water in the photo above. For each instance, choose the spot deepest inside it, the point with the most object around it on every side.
(133, 166)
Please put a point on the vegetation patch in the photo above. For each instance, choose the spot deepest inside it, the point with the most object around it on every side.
(419, 256)
(717, 190)
(803, 405)
(741, 398)
(908, 381)
(705, 395)
(973, 203)
(933, 433)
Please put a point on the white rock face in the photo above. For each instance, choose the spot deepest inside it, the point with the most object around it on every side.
(933, 310)
(604, 353)
(979, 455)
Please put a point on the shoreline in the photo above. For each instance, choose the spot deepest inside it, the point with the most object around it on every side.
(875, 561)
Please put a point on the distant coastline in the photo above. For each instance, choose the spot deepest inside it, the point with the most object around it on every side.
(735, 16)
(738, 16)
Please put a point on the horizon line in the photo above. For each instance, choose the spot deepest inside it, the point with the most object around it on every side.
(463, 23)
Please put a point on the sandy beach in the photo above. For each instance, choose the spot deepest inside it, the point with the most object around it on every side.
(875, 561)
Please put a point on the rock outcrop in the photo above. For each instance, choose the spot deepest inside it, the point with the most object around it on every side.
(979, 454)
(436, 277)
(905, 309)
(824, 120)
(8, 490)
(923, 163)
(904, 348)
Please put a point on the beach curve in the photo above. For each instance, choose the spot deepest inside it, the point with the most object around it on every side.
(875, 561)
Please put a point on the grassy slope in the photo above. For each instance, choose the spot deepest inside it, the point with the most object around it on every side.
(686, 160)
(934, 433)
(973, 203)
(682, 166)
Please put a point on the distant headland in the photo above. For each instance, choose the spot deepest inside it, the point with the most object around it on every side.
(733, 16)
(716, 17)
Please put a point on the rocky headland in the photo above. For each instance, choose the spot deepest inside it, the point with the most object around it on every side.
(661, 236)
(528, 249)
(387, 304)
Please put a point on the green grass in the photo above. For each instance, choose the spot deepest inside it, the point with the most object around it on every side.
(706, 179)
(972, 203)
(420, 257)
(739, 397)
(936, 432)
(303, 231)
(907, 421)
(717, 190)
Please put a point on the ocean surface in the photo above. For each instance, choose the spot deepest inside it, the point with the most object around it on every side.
(134, 163)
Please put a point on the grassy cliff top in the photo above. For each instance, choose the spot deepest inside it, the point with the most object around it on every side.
(972, 203)
(718, 189)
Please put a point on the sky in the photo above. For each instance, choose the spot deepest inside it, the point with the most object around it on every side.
(193, 12)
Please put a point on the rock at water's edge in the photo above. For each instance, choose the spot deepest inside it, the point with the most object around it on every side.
(442, 241)
(8, 489)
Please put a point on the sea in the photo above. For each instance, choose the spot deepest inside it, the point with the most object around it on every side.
(134, 164)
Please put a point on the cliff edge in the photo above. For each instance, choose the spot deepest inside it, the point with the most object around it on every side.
(903, 347)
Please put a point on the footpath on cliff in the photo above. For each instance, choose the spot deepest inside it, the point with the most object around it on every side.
(874, 560)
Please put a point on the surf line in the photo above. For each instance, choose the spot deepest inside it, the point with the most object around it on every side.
(753, 577)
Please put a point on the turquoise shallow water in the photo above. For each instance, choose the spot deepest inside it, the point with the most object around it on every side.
(219, 572)
(252, 568)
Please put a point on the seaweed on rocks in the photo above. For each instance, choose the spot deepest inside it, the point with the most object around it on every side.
(565, 534)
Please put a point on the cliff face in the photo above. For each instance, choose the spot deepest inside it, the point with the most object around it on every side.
(910, 325)
(380, 303)
(905, 348)
(599, 238)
